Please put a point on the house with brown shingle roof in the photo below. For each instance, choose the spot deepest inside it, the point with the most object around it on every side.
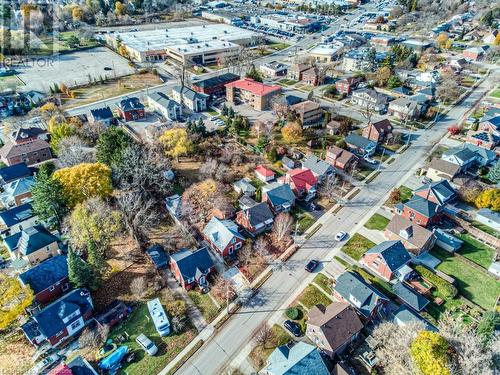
(440, 169)
(339, 158)
(32, 152)
(415, 238)
(378, 131)
(309, 113)
(334, 327)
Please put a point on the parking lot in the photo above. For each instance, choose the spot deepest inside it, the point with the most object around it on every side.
(72, 69)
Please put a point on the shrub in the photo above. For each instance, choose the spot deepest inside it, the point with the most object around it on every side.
(292, 313)
(429, 352)
(444, 288)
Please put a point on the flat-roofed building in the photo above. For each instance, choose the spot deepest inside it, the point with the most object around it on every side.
(324, 53)
(254, 93)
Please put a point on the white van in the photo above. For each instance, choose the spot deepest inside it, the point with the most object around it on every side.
(146, 344)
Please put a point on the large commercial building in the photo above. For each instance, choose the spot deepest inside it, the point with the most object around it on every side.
(291, 23)
(195, 45)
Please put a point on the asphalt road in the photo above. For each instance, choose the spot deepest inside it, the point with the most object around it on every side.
(289, 277)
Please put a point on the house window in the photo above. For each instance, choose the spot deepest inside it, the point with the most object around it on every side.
(76, 324)
(65, 287)
(237, 246)
(230, 249)
(52, 288)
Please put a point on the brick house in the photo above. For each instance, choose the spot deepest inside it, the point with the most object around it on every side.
(295, 71)
(440, 192)
(302, 182)
(309, 113)
(312, 76)
(223, 236)
(256, 94)
(346, 85)
(25, 135)
(60, 320)
(386, 258)
(30, 152)
(340, 158)
(48, 279)
(192, 268)
(131, 109)
(280, 197)
(378, 131)
(214, 85)
(17, 192)
(256, 219)
(420, 210)
(415, 239)
(353, 289)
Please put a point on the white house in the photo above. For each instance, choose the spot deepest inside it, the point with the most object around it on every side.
(488, 217)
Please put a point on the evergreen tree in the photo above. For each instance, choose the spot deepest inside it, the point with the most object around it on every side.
(224, 110)
(111, 145)
(494, 173)
(230, 112)
(200, 127)
(254, 74)
(79, 272)
(372, 58)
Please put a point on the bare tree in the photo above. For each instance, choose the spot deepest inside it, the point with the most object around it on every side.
(448, 91)
(178, 324)
(329, 187)
(264, 335)
(73, 151)
(222, 288)
(245, 254)
(91, 131)
(261, 248)
(92, 337)
(281, 227)
(367, 111)
(138, 287)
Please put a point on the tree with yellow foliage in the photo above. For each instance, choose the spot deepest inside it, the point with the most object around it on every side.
(441, 39)
(489, 198)
(48, 109)
(77, 13)
(120, 8)
(14, 299)
(292, 133)
(84, 181)
(429, 352)
(59, 129)
(176, 142)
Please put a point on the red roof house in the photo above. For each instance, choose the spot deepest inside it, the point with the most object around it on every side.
(264, 174)
(246, 90)
(302, 182)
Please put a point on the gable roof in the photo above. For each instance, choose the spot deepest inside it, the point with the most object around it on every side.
(288, 100)
(413, 299)
(338, 322)
(221, 232)
(446, 167)
(403, 315)
(462, 154)
(306, 106)
(103, 113)
(258, 214)
(17, 215)
(442, 191)
(356, 291)
(342, 156)
(300, 359)
(358, 141)
(130, 104)
(216, 81)
(46, 273)
(302, 178)
(279, 194)
(192, 263)
(30, 240)
(245, 186)
(417, 235)
(262, 170)
(393, 252)
(14, 172)
(384, 126)
(488, 155)
(163, 99)
(316, 165)
(20, 186)
(10, 149)
(421, 205)
(25, 133)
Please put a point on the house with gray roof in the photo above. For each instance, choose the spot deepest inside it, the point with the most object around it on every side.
(447, 241)
(192, 268)
(102, 115)
(256, 219)
(223, 236)
(165, 106)
(420, 211)
(15, 219)
(280, 197)
(174, 206)
(296, 359)
(440, 192)
(244, 187)
(404, 316)
(361, 146)
(461, 156)
(318, 167)
(33, 244)
(353, 289)
(195, 101)
(386, 258)
(17, 193)
(14, 172)
(408, 296)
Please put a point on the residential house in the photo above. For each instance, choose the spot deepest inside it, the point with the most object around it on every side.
(318, 167)
(461, 156)
(313, 76)
(440, 192)
(174, 206)
(280, 197)
(77, 366)
(370, 99)
(487, 135)
(223, 236)
(440, 169)
(131, 109)
(16, 219)
(447, 241)
(405, 109)
(256, 219)
(483, 157)
(491, 37)
(474, 53)
(408, 296)
(102, 115)
(17, 192)
(192, 268)
(302, 181)
(415, 239)
(165, 106)
(256, 94)
(295, 358)
(288, 163)
(29, 152)
(386, 259)
(25, 135)
(429, 92)
(380, 40)
(264, 174)
(282, 103)
(334, 327)
(215, 86)
(309, 113)
(340, 158)
(33, 244)
(48, 280)
(353, 289)
(195, 101)
(489, 218)
(296, 70)
(273, 69)
(404, 316)
(379, 131)
(60, 320)
(245, 202)
(334, 127)
(158, 256)
(401, 92)
(361, 146)
(347, 85)
(420, 210)
(14, 172)
(244, 187)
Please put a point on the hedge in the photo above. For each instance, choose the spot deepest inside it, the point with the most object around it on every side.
(444, 288)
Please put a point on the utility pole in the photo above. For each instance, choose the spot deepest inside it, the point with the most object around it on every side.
(381, 159)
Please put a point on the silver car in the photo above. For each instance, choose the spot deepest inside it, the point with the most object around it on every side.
(146, 344)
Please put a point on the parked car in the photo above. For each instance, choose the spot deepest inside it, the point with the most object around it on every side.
(311, 266)
(340, 236)
(146, 344)
(293, 327)
(370, 161)
(45, 364)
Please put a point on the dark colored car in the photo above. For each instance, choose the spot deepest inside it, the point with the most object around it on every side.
(311, 266)
(293, 327)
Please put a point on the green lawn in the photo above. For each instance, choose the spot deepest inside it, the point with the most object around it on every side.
(312, 296)
(204, 304)
(324, 282)
(476, 251)
(278, 46)
(496, 94)
(486, 229)
(168, 347)
(259, 354)
(406, 193)
(287, 82)
(305, 219)
(473, 284)
(377, 222)
(357, 246)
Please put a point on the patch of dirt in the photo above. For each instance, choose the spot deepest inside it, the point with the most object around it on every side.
(15, 354)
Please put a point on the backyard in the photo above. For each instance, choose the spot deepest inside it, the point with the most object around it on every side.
(205, 304)
(476, 251)
(357, 246)
(377, 222)
(486, 229)
(475, 285)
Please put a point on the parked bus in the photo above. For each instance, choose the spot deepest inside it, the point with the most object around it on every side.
(160, 319)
